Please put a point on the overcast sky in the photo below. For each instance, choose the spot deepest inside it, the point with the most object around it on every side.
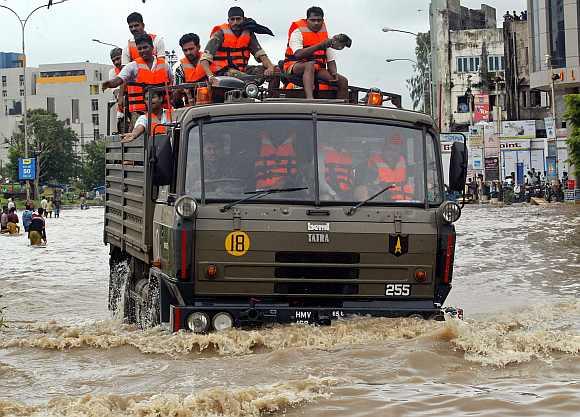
(64, 33)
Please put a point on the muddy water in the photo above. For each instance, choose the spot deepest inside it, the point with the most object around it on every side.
(517, 353)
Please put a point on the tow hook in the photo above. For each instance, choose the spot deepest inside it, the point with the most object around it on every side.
(454, 312)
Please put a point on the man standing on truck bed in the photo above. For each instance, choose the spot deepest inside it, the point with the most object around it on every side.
(137, 28)
(146, 70)
(230, 46)
(188, 70)
(116, 54)
(310, 54)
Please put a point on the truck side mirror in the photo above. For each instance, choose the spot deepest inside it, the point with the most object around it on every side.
(161, 161)
(458, 167)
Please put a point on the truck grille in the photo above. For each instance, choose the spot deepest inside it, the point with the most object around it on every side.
(317, 271)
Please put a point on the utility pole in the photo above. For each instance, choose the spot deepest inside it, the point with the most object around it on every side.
(23, 23)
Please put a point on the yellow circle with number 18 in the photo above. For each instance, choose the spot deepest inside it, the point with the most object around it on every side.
(237, 243)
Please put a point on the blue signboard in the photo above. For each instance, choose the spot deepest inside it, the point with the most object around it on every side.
(26, 169)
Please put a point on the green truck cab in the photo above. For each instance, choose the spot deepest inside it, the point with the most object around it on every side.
(280, 210)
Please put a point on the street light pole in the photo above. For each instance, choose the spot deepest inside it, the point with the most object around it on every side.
(105, 43)
(430, 66)
(23, 23)
(389, 60)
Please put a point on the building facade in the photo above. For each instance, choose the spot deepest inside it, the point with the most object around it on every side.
(461, 39)
(554, 48)
(71, 90)
(11, 60)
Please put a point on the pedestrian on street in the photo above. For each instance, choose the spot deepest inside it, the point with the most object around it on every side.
(37, 229)
(27, 215)
(44, 205)
(4, 220)
(49, 207)
(57, 209)
(11, 203)
(83, 202)
(12, 226)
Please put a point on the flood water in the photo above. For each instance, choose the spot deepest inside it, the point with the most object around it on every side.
(517, 353)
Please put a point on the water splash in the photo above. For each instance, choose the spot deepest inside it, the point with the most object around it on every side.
(217, 401)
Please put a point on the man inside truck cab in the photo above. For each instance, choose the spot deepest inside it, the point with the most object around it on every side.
(310, 53)
(230, 46)
(147, 70)
(137, 28)
(276, 165)
(188, 69)
(159, 116)
(389, 167)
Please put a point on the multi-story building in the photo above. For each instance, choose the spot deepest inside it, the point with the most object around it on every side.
(467, 58)
(70, 90)
(11, 60)
(554, 48)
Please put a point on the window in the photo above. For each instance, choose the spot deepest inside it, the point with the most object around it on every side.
(4, 93)
(50, 106)
(96, 134)
(462, 104)
(21, 92)
(21, 80)
(3, 81)
(98, 75)
(95, 104)
(495, 63)
(75, 110)
(471, 64)
(434, 191)
(94, 89)
(71, 73)
(96, 119)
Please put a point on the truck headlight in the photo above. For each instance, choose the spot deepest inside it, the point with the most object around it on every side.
(222, 321)
(252, 90)
(198, 322)
(449, 212)
(186, 207)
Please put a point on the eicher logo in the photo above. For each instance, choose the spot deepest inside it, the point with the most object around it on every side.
(318, 237)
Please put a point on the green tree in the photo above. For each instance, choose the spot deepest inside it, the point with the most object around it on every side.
(572, 115)
(94, 164)
(51, 142)
(419, 84)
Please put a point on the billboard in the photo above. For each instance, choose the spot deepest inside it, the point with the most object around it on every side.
(481, 108)
(492, 169)
(26, 169)
(519, 129)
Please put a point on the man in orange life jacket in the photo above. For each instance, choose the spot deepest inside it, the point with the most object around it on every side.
(276, 165)
(137, 28)
(310, 53)
(229, 49)
(388, 167)
(159, 116)
(119, 91)
(337, 165)
(188, 69)
(146, 71)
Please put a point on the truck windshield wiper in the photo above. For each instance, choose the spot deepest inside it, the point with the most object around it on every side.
(353, 209)
(256, 194)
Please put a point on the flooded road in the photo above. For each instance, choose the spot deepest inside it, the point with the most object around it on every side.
(517, 353)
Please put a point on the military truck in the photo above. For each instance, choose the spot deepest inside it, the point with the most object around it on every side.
(281, 209)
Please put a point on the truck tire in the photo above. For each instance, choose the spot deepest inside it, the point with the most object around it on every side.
(147, 303)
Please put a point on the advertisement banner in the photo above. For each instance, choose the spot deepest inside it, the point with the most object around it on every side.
(519, 129)
(481, 108)
(492, 169)
(550, 127)
(475, 136)
(477, 159)
(447, 140)
(552, 171)
(490, 140)
(26, 169)
(508, 144)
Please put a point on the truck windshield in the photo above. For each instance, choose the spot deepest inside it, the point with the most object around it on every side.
(354, 161)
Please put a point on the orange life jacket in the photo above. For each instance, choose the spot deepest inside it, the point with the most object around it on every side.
(146, 77)
(132, 47)
(234, 51)
(338, 170)
(156, 127)
(396, 176)
(192, 73)
(275, 163)
(317, 86)
(309, 39)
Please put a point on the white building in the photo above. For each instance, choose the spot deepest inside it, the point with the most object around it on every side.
(71, 90)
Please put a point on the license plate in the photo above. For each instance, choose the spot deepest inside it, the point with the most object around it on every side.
(397, 290)
(304, 316)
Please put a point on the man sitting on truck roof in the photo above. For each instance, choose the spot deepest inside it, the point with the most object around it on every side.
(309, 53)
(159, 116)
(230, 46)
(188, 70)
(146, 70)
(137, 28)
